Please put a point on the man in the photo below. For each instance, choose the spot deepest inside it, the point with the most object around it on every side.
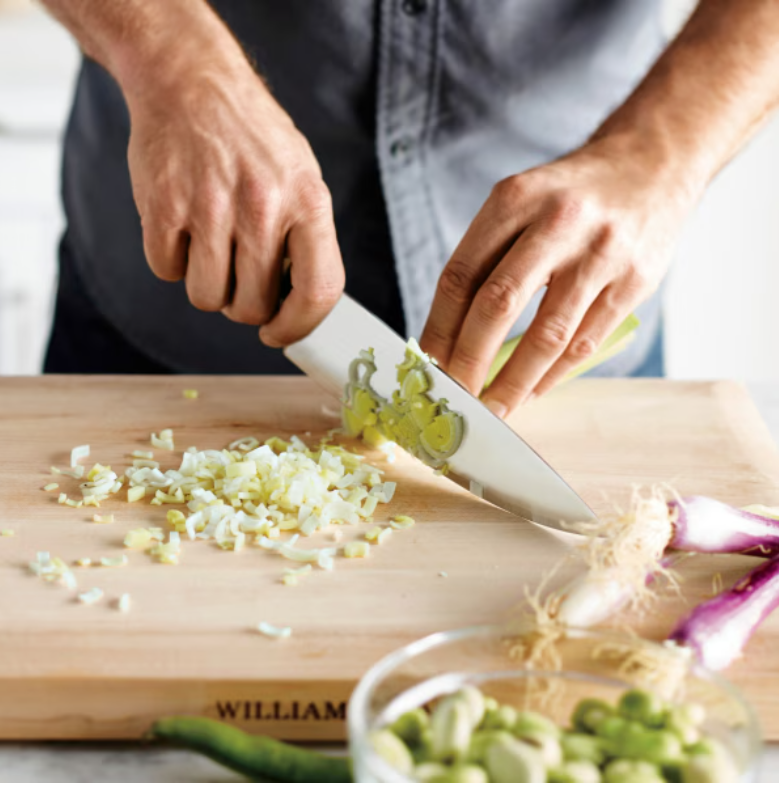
(470, 168)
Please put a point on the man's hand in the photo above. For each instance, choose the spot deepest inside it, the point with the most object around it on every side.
(596, 228)
(225, 185)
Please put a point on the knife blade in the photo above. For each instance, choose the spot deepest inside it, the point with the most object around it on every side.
(493, 461)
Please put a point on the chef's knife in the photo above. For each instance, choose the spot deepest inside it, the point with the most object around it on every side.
(493, 461)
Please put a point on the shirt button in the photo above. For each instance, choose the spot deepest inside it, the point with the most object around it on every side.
(401, 146)
(414, 7)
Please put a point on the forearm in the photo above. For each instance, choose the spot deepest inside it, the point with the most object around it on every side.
(142, 42)
(708, 93)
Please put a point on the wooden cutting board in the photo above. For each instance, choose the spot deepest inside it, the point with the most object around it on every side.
(189, 644)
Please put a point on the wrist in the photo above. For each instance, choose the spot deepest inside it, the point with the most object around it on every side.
(656, 156)
(170, 51)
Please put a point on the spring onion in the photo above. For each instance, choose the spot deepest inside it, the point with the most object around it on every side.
(709, 526)
(718, 630)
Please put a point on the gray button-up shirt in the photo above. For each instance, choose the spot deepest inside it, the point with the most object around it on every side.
(414, 108)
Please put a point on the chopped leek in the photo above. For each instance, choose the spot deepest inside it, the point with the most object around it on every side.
(422, 425)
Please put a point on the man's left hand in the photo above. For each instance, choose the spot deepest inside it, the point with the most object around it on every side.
(596, 228)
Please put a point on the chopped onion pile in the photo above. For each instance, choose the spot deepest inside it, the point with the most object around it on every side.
(420, 424)
(253, 492)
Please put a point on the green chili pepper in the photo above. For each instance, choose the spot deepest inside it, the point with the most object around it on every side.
(256, 757)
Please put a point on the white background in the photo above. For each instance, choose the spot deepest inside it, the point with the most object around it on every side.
(721, 304)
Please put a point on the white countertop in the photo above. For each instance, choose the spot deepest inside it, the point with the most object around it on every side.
(127, 762)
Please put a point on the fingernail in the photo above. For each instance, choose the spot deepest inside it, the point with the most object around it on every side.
(496, 407)
(531, 397)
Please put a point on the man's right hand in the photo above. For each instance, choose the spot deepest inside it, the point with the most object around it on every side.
(226, 187)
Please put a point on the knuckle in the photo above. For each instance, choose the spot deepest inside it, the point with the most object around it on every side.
(608, 240)
(464, 362)
(262, 198)
(213, 206)
(637, 281)
(455, 283)
(582, 347)
(314, 196)
(508, 391)
(511, 189)
(568, 208)
(323, 295)
(498, 298)
(168, 208)
(551, 335)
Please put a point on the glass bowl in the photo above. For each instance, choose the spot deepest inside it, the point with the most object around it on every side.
(580, 664)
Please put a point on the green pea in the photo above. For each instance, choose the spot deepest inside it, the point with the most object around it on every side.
(709, 761)
(450, 724)
(430, 772)
(582, 746)
(423, 750)
(475, 702)
(655, 746)
(532, 722)
(692, 713)
(589, 712)
(686, 733)
(643, 707)
(548, 746)
(673, 771)
(511, 760)
(624, 735)
(490, 704)
(612, 727)
(707, 745)
(410, 727)
(462, 773)
(503, 718)
(480, 741)
(574, 771)
(623, 770)
(393, 750)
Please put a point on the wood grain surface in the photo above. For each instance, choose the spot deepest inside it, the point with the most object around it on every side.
(190, 644)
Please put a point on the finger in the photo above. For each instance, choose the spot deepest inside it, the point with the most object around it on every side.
(605, 314)
(258, 258)
(500, 300)
(166, 252)
(565, 303)
(209, 268)
(256, 287)
(317, 277)
(493, 231)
